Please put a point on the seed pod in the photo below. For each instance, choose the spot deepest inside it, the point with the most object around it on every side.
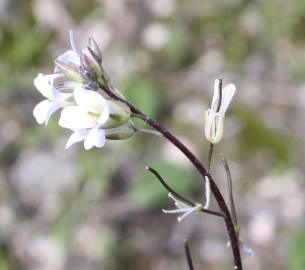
(120, 133)
(119, 114)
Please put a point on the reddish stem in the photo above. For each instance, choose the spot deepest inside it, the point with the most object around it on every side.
(198, 165)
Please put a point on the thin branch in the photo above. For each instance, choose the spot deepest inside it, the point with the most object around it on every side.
(230, 190)
(211, 212)
(148, 131)
(177, 195)
(188, 255)
(168, 188)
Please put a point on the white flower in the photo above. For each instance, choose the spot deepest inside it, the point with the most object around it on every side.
(86, 118)
(214, 117)
(90, 116)
(182, 207)
(55, 99)
(69, 56)
(91, 110)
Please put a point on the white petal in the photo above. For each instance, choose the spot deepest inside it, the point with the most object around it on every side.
(65, 85)
(62, 97)
(74, 117)
(90, 100)
(181, 205)
(215, 99)
(44, 86)
(180, 210)
(227, 95)
(213, 126)
(69, 56)
(77, 136)
(72, 42)
(95, 137)
(43, 111)
(51, 77)
(178, 203)
(104, 116)
(186, 214)
(207, 192)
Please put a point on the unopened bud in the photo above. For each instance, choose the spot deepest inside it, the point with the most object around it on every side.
(95, 49)
(105, 80)
(119, 114)
(213, 126)
(70, 70)
(90, 62)
(120, 133)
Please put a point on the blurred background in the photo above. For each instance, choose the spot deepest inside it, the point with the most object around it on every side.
(101, 209)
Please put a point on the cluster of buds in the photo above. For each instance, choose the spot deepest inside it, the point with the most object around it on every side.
(72, 87)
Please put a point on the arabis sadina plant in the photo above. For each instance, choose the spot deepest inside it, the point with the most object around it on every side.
(94, 111)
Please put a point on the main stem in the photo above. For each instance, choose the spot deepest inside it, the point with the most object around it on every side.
(197, 164)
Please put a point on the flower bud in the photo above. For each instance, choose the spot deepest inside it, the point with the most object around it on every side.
(95, 49)
(120, 133)
(69, 69)
(119, 114)
(90, 62)
(213, 126)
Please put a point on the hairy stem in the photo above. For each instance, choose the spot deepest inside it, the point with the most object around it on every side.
(197, 164)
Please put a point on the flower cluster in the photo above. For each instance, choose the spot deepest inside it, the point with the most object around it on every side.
(72, 87)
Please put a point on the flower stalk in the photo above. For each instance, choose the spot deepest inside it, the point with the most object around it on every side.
(197, 164)
(188, 255)
(230, 190)
(179, 199)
